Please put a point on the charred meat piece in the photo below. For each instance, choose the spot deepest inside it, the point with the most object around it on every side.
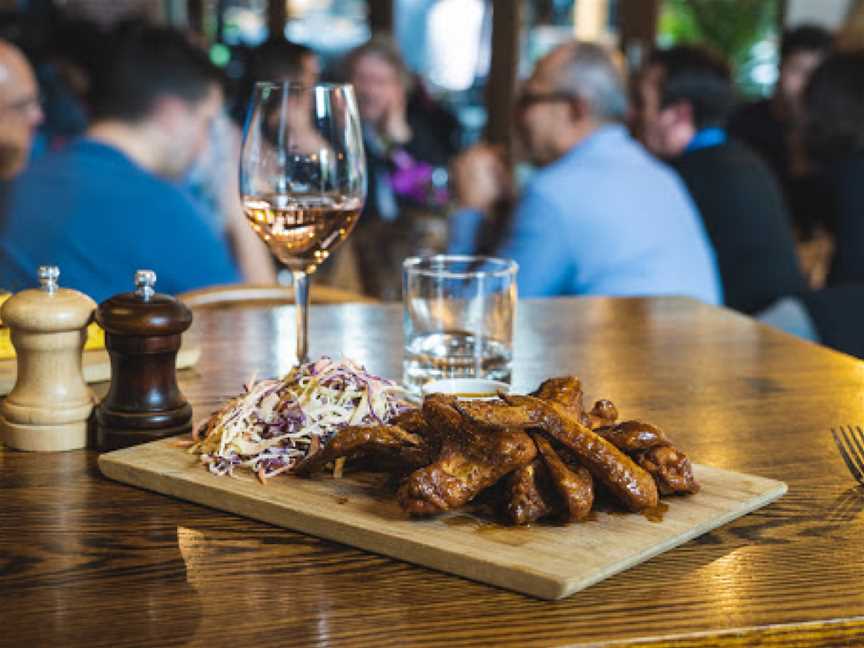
(603, 413)
(412, 421)
(575, 486)
(670, 468)
(469, 462)
(496, 413)
(527, 494)
(364, 440)
(630, 436)
(566, 391)
(627, 481)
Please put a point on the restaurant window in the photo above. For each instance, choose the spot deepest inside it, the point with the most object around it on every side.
(548, 23)
(745, 32)
(448, 44)
(330, 27)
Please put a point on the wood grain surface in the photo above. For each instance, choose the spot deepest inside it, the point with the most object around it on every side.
(90, 562)
(544, 560)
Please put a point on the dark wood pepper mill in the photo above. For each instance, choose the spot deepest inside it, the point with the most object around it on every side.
(142, 334)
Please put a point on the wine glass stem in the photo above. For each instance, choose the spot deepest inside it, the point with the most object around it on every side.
(301, 299)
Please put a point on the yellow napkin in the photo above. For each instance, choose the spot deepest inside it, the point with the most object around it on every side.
(95, 336)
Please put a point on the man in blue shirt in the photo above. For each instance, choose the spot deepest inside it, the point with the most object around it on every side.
(107, 205)
(685, 97)
(600, 216)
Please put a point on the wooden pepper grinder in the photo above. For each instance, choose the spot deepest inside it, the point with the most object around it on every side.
(49, 406)
(142, 335)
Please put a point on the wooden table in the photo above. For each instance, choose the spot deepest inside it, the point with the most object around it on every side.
(84, 561)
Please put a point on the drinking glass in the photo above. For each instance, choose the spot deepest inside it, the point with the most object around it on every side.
(458, 318)
(302, 177)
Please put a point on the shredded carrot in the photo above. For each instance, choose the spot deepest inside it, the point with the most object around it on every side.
(262, 475)
(196, 428)
(338, 465)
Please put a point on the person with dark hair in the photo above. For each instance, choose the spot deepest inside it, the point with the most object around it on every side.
(685, 97)
(281, 60)
(771, 127)
(73, 52)
(409, 144)
(600, 216)
(834, 137)
(833, 122)
(107, 205)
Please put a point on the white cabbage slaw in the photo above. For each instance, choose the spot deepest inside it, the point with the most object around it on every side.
(277, 423)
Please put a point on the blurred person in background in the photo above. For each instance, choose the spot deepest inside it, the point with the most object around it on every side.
(685, 95)
(766, 125)
(600, 216)
(772, 127)
(20, 111)
(834, 136)
(409, 143)
(70, 58)
(108, 204)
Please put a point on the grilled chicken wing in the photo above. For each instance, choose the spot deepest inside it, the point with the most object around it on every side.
(527, 494)
(575, 485)
(469, 461)
(566, 391)
(627, 481)
(630, 436)
(603, 413)
(353, 441)
(412, 421)
(670, 468)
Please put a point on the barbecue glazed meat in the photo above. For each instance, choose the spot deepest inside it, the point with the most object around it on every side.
(470, 460)
(497, 413)
(670, 468)
(627, 481)
(575, 486)
(412, 421)
(527, 494)
(566, 391)
(366, 440)
(630, 436)
(603, 413)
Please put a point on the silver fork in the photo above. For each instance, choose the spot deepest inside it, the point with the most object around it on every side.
(850, 443)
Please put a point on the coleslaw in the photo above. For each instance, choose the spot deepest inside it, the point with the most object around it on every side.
(277, 423)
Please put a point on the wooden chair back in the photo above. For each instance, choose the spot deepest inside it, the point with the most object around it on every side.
(251, 294)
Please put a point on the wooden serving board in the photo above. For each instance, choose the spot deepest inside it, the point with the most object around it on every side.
(95, 364)
(549, 562)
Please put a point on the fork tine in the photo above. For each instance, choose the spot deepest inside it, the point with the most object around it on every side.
(856, 451)
(845, 454)
(855, 456)
(858, 437)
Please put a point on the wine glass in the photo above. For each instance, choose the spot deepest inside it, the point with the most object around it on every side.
(302, 177)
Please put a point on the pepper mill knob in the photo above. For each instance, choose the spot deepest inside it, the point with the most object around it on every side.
(142, 335)
(48, 277)
(49, 406)
(144, 282)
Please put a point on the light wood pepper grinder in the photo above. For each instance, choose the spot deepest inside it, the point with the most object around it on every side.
(49, 406)
(142, 334)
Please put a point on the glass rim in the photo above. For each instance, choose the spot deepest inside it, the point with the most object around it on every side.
(412, 265)
(299, 85)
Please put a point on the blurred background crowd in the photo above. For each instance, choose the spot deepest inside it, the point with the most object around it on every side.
(708, 148)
